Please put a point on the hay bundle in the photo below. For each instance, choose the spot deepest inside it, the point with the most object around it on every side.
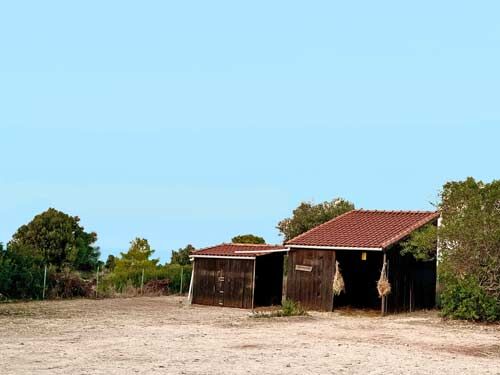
(338, 281)
(383, 284)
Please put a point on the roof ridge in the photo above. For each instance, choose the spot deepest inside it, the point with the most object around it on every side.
(250, 244)
(397, 211)
(237, 244)
(320, 225)
(205, 248)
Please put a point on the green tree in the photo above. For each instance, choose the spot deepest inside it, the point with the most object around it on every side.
(181, 256)
(309, 215)
(422, 243)
(110, 263)
(59, 240)
(248, 238)
(21, 273)
(132, 265)
(469, 243)
(469, 237)
(137, 258)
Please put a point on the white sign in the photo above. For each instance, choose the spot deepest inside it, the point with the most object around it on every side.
(303, 268)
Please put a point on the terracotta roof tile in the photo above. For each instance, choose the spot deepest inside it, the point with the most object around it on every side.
(365, 229)
(242, 250)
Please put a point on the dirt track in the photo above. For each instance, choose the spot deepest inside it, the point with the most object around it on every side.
(163, 335)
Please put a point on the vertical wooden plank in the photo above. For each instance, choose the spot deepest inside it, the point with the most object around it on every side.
(383, 306)
(249, 284)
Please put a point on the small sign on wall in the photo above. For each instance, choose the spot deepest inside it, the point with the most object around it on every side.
(303, 268)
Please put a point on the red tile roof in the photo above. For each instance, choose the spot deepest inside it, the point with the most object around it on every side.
(365, 229)
(238, 250)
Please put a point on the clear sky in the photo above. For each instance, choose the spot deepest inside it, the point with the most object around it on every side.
(192, 122)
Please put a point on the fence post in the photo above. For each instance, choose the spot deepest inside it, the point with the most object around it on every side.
(96, 281)
(44, 281)
(182, 275)
(142, 282)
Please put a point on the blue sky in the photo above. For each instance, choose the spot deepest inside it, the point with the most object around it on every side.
(192, 122)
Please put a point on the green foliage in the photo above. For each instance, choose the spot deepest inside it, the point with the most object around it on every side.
(466, 299)
(110, 263)
(130, 266)
(469, 239)
(173, 273)
(21, 274)
(422, 243)
(136, 262)
(288, 308)
(68, 284)
(248, 238)
(132, 278)
(59, 240)
(470, 233)
(292, 308)
(308, 215)
(181, 256)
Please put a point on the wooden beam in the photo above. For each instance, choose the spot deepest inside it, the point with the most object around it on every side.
(190, 293)
(253, 284)
(383, 305)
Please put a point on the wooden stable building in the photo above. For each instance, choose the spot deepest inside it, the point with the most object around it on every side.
(361, 241)
(238, 275)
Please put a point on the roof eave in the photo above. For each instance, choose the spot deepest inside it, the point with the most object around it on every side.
(222, 256)
(322, 247)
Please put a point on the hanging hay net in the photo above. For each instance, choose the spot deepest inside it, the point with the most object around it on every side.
(338, 281)
(383, 284)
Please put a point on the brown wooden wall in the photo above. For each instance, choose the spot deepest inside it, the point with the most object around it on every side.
(413, 283)
(312, 289)
(223, 282)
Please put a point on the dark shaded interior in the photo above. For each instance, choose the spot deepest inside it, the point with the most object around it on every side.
(268, 279)
(413, 282)
(360, 278)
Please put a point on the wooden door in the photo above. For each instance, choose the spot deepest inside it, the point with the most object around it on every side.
(310, 278)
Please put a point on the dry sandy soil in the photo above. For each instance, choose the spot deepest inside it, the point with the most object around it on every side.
(164, 335)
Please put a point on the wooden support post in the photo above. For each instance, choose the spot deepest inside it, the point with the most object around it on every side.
(253, 283)
(437, 300)
(44, 281)
(182, 276)
(96, 282)
(383, 307)
(190, 293)
(142, 282)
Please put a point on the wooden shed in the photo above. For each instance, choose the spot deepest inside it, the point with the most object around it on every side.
(238, 275)
(361, 241)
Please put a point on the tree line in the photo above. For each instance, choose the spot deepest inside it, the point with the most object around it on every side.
(54, 256)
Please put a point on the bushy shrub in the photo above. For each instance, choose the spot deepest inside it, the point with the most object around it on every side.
(157, 287)
(69, 284)
(465, 299)
(292, 308)
(21, 275)
(124, 281)
(288, 308)
(173, 273)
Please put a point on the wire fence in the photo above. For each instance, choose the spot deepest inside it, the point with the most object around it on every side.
(47, 282)
(170, 279)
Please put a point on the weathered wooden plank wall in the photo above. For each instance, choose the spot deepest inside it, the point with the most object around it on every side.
(311, 282)
(223, 282)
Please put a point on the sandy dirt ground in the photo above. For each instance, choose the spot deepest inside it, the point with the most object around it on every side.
(164, 335)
